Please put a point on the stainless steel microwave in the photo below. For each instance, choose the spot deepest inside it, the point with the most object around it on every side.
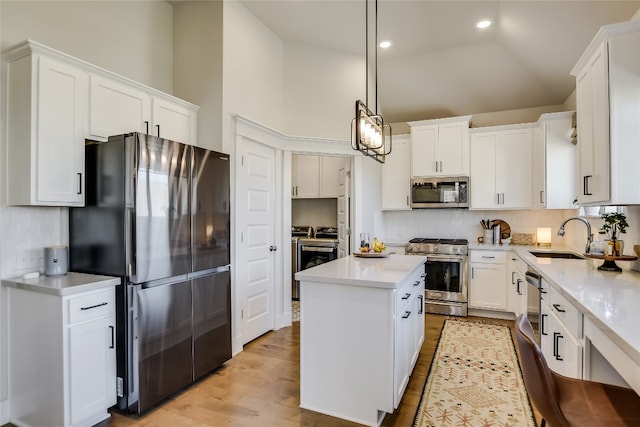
(440, 192)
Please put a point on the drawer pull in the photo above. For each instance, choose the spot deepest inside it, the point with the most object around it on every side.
(488, 257)
(93, 306)
(421, 306)
(557, 307)
(406, 296)
(416, 283)
(113, 338)
(542, 332)
(406, 315)
(556, 345)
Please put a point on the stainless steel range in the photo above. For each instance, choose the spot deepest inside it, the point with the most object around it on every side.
(446, 274)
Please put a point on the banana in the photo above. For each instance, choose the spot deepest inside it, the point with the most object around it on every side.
(377, 245)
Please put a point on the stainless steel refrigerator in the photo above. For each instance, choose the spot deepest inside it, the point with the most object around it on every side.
(157, 215)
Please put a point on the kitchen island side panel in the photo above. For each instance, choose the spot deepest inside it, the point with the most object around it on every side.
(346, 351)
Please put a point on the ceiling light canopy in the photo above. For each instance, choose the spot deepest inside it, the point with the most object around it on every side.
(484, 23)
(369, 133)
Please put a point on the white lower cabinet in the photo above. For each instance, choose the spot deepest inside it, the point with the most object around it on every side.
(487, 287)
(516, 285)
(560, 333)
(64, 374)
(359, 345)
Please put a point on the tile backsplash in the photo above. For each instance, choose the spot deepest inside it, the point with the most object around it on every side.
(25, 232)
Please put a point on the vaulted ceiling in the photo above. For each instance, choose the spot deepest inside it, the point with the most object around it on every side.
(440, 65)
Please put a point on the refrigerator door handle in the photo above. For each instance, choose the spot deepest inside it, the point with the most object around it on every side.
(209, 271)
(131, 242)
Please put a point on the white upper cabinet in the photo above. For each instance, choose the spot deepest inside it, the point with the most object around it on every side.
(440, 147)
(315, 176)
(46, 120)
(54, 102)
(555, 162)
(608, 109)
(501, 167)
(119, 106)
(396, 176)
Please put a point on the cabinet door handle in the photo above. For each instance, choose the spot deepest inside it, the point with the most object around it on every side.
(556, 345)
(420, 304)
(79, 183)
(407, 200)
(472, 272)
(406, 296)
(146, 124)
(518, 286)
(93, 306)
(113, 337)
(497, 198)
(436, 164)
(541, 196)
(558, 309)
(585, 185)
(502, 196)
(513, 280)
(441, 169)
(406, 315)
(542, 332)
(158, 127)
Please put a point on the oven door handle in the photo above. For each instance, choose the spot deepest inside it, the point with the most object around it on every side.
(318, 249)
(445, 258)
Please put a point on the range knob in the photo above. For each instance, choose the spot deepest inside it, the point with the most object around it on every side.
(435, 249)
(454, 249)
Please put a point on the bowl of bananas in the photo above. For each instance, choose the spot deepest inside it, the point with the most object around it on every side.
(376, 250)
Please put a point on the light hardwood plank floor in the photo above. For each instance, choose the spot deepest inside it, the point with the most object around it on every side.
(261, 387)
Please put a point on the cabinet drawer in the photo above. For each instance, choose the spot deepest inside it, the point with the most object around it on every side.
(91, 306)
(489, 257)
(564, 310)
(408, 290)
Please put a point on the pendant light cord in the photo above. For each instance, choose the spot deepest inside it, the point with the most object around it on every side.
(366, 54)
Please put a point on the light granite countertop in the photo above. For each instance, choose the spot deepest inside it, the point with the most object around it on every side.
(371, 272)
(68, 284)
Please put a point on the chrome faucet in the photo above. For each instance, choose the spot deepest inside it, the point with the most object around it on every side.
(589, 235)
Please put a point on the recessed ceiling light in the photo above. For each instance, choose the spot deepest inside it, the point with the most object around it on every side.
(483, 23)
(385, 44)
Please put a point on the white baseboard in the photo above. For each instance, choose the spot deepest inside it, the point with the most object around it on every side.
(503, 315)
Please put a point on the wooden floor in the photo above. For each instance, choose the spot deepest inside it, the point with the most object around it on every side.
(261, 387)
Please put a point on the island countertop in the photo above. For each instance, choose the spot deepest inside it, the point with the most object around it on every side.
(385, 272)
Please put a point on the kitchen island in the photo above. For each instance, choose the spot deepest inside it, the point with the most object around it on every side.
(361, 329)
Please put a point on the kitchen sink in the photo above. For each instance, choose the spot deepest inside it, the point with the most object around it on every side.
(548, 254)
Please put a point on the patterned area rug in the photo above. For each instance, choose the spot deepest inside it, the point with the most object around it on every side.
(474, 380)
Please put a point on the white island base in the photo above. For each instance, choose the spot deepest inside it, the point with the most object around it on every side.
(361, 329)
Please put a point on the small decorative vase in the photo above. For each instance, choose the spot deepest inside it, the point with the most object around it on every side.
(616, 250)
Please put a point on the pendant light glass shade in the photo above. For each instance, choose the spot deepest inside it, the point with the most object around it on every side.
(370, 135)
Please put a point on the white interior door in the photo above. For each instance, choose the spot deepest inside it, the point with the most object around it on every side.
(256, 271)
(343, 208)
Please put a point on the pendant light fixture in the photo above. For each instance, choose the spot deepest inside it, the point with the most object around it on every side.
(369, 134)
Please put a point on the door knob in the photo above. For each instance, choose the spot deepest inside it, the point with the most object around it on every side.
(273, 248)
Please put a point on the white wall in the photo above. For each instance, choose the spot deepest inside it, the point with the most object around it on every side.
(197, 53)
(320, 90)
(132, 38)
(252, 71)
